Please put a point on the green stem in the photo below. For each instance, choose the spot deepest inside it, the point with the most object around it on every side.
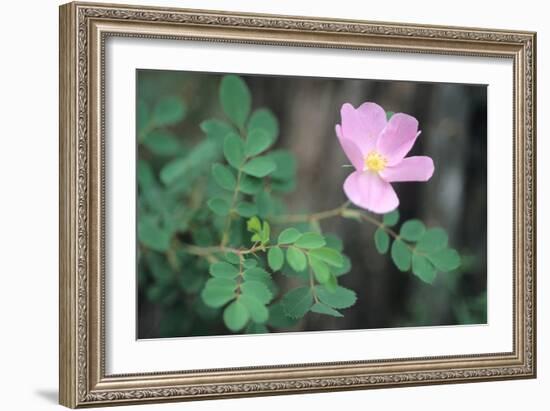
(342, 211)
(312, 286)
(322, 215)
(379, 224)
(240, 277)
(225, 234)
(210, 250)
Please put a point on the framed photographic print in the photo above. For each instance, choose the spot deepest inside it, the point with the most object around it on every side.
(258, 204)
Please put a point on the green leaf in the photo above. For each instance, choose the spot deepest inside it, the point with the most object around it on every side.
(332, 283)
(310, 241)
(339, 298)
(344, 269)
(145, 175)
(233, 150)
(152, 235)
(412, 230)
(329, 256)
(391, 219)
(381, 241)
(257, 141)
(168, 111)
(245, 209)
(219, 206)
(256, 274)
(259, 167)
(235, 316)
(250, 263)
(191, 165)
(216, 129)
(389, 114)
(278, 318)
(333, 241)
(325, 309)
(255, 328)
(235, 99)
(224, 177)
(223, 270)
(288, 236)
(218, 291)
(297, 302)
(257, 289)
(401, 255)
(423, 269)
(159, 268)
(286, 164)
(162, 143)
(254, 225)
(263, 119)
(275, 258)
(320, 269)
(250, 185)
(258, 311)
(232, 258)
(266, 232)
(446, 259)
(282, 186)
(296, 259)
(433, 239)
(264, 202)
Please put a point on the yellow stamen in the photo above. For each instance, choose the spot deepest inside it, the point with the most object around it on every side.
(374, 161)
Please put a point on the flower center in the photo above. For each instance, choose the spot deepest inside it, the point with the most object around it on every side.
(374, 161)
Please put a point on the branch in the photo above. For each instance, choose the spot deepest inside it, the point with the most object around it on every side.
(298, 218)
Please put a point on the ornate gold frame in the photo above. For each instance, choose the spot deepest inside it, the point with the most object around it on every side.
(83, 30)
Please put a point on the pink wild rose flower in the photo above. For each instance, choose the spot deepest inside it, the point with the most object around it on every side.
(377, 148)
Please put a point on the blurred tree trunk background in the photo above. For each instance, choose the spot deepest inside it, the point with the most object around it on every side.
(452, 118)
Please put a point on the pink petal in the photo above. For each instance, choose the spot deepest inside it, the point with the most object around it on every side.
(350, 149)
(416, 168)
(367, 190)
(397, 139)
(362, 125)
(373, 117)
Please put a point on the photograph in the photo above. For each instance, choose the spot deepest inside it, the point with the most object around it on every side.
(270, 204)
(262, 203)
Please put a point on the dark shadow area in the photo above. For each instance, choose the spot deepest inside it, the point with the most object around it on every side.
(52, 396)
